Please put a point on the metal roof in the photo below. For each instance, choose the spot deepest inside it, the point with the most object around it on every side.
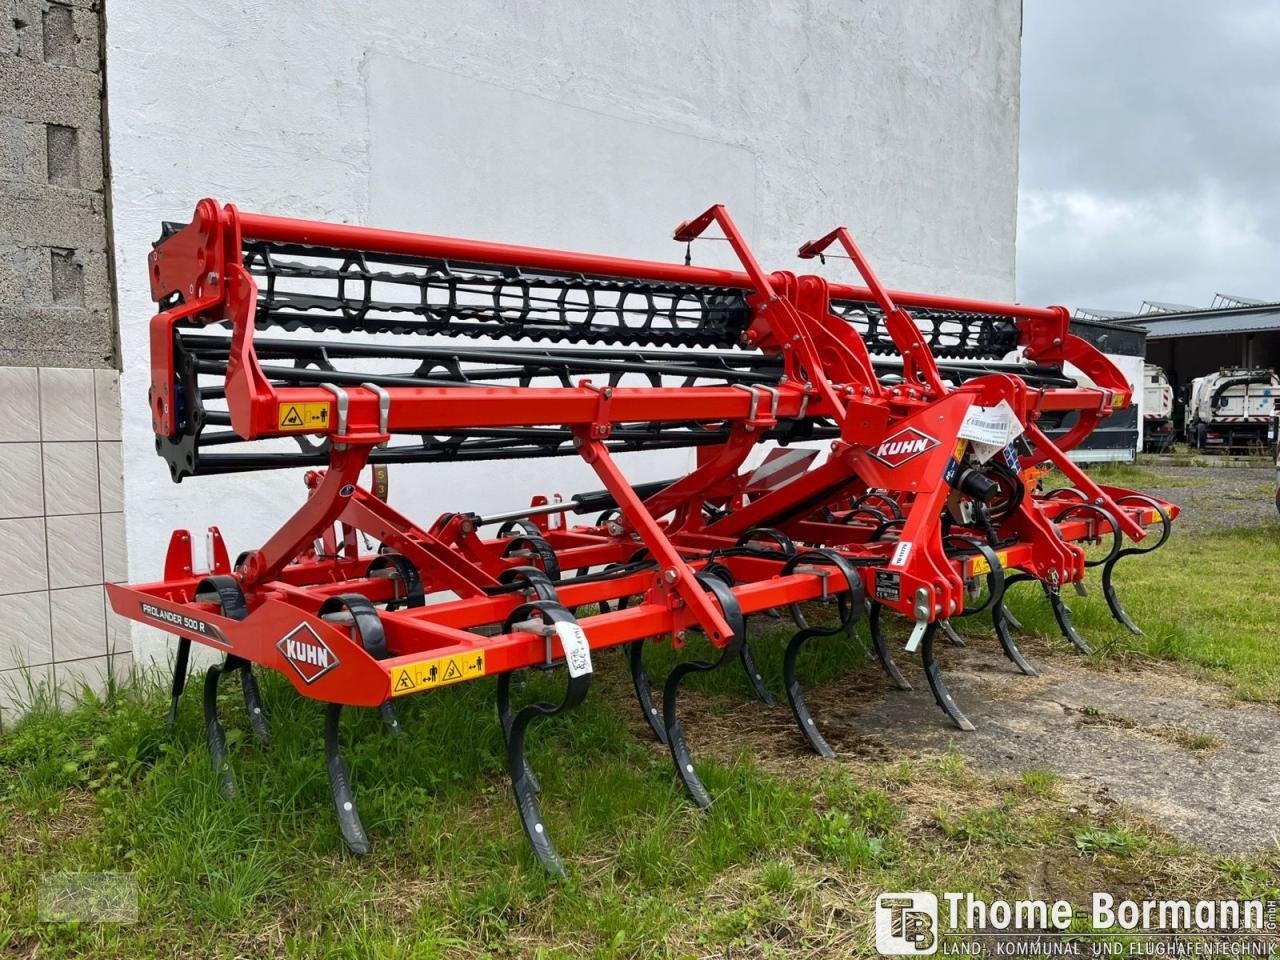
(1202, 323)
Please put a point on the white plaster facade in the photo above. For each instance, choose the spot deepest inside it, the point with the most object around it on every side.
(594, 126)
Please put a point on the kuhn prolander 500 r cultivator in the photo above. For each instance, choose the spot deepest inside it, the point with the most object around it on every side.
(929, 410)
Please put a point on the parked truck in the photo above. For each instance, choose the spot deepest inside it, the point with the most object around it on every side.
(1157, 410)
(1232, 409)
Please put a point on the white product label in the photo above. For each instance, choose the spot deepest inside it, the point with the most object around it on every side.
(990, 428)
(900, 553)
(577, 651)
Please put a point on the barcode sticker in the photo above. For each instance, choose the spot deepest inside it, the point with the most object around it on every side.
(577, 651)
(901, 553)
(997, 425)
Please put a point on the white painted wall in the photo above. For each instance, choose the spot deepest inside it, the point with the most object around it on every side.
(595, 126)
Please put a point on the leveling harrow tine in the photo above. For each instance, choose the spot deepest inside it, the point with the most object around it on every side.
(344, 801)
(851, 606)
(679, 747)
(179, 678)
(953, 638)
(354, 611)
(933, 673)
(1108, 568)
(644, 690)
(225, 592)
(1000, 620)
(1062, 614)
(555, 619)
(881, 646)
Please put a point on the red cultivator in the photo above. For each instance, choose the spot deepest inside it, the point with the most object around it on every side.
(930, 409)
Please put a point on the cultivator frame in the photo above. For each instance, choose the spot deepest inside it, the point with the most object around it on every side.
(914, 509)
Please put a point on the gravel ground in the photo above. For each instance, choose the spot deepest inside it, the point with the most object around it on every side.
(1217, 498)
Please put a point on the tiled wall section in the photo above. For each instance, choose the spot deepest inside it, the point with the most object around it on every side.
(61, 532)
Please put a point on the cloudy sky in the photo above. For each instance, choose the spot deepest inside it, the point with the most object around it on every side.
(1150, 161)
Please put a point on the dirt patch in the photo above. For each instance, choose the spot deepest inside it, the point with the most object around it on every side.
(1175, 750)
(1218, 498)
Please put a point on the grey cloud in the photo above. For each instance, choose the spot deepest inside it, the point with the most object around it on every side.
(1150, 137)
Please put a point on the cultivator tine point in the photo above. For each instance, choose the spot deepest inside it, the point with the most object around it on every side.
(644, 690)
(881, 646)
(390, 722)
(506, 718)
(215, 733)
(1062, 613)
(1113, 601)
(1002, 620)
(523, 785)
(179, 678)
(933, 673)
(851, 606)
(1007, 643)
(253, 705)
(344, 802)
(755, 677)
(1108, 568)
(953, 638)
(676, 741)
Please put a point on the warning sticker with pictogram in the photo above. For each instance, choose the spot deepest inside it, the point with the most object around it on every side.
(979, 565)
(303, 416)
(425, 674)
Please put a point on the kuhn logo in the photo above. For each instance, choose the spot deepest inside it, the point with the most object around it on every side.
(903, 446)
(307, 653)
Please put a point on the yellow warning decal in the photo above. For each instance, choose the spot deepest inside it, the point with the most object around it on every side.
(425, 674)
(303, 416)
(978, 565)
(1119, 401)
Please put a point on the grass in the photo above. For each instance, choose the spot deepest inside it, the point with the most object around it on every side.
(787, 863)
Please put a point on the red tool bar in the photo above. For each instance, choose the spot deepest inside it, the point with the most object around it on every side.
(259, 226)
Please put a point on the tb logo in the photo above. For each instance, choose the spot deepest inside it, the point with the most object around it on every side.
(906, 924)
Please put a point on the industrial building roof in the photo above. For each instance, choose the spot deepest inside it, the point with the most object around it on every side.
(1229, 314)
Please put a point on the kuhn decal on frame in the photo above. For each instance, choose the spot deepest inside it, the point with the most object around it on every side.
(903, 446)
(307, 653)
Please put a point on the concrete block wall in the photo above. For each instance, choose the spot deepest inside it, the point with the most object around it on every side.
(61, 486)
(62, 526)
(55, 283)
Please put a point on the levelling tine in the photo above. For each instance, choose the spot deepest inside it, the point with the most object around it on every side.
(506, 716)
(1062, 613)
(253, 705)
(179, 678)
(344, 802)
(390, 722)
(1002, 619)
(851, 607)
(882, 650)
(1113, 601)
(522, 787)
(231, 600)
(214, 731)
(939, 687)
(754, 677)
(953, 638)
(748, 657)
(679, 747)
(644, 689)
(1007, 642)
